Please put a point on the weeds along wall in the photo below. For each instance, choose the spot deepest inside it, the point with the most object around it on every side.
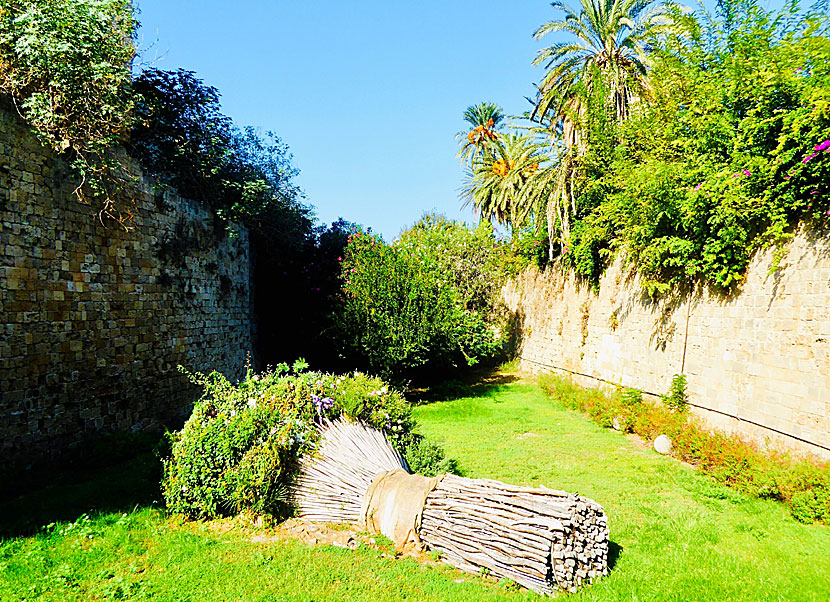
(96, 319)
(757, 363)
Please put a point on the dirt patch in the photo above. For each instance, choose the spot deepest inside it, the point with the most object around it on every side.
(316, 534)
(333, 535)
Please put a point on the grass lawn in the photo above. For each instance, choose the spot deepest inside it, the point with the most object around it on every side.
(677, 535)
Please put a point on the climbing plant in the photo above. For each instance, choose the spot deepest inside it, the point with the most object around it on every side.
(66, 66)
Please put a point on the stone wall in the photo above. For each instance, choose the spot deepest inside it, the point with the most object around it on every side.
(757, 364)
(94, 319)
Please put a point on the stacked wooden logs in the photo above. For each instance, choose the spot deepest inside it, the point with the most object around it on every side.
(540, 538)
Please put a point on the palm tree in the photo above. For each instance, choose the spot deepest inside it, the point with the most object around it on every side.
(609, 52)
(611, 42)
(484, 119)
(504, 182)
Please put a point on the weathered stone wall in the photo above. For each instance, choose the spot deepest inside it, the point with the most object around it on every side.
(757, 364)
(94, 320)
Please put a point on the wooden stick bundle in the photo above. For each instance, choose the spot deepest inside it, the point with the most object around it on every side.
(540, 538)
(334, 481)
(543, 539)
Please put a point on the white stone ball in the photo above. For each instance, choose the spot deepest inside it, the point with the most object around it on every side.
(662, 445)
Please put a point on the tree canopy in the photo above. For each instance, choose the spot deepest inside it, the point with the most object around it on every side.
(686, 141)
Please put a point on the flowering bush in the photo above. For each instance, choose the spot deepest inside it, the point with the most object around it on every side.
(473, 261)
(66, 66)
(804, 485)
(727, 153)
(240, 448)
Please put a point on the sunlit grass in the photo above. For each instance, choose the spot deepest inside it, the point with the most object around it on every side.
(677, 535)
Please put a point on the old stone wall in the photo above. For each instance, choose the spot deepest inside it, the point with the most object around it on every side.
(94, 320)
(757, 363)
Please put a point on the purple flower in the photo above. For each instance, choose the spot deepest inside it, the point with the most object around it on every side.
(822, 147)
(747, 172)
(807, 158)
(322, 403)
(698, 186)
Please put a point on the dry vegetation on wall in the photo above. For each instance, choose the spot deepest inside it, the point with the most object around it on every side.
(803, 484)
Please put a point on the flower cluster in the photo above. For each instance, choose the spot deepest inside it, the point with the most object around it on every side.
(818, 148)
(322, 403)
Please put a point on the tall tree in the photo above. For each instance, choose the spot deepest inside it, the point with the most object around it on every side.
(607, 50)
(498, 180)
(611, 41)
(484, 120)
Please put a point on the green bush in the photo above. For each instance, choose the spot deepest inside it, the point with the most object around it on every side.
(181, 137)
(728, 152)
(474, 262)
(811, 505)
(426, 302)
(803, 485)
(240, 448)
(675, 399)
(427, 458)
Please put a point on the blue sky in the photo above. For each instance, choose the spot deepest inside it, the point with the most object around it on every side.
(368, 95)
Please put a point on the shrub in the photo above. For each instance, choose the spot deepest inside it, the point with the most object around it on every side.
(427, 458)
(474, 262)
(811, 505)
(402, 311)
(240, 448)
(181, 136)
(803, 485)
(675, 399)
(723, 157)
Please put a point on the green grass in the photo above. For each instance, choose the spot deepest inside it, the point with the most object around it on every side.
(676, 534)
(142, 555)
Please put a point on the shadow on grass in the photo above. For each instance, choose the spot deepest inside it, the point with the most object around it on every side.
(614, 552)
(114, 474)
(477, 383)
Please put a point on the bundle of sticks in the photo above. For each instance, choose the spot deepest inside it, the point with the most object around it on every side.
(543, 539)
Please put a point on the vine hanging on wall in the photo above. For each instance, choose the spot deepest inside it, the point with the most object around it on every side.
(66, 66)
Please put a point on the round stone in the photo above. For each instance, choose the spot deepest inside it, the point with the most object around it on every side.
(662, 445)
